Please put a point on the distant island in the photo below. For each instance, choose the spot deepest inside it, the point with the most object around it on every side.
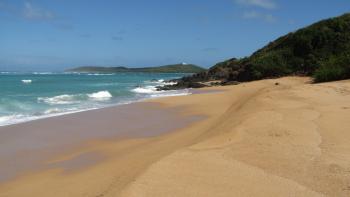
(321, 50)
(173, 68)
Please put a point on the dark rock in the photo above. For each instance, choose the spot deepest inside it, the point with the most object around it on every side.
(227, 83)
(181, 85)
(215, 83)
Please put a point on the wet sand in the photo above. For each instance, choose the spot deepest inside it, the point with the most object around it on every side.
(257, 139)
(26, 146)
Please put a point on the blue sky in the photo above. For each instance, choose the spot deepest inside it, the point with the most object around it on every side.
(56, 34)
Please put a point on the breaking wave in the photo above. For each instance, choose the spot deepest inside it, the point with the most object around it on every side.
(26, 81)
(151, 90)
(102, 95)
(67, 99)
(145, 90)
(60, 100)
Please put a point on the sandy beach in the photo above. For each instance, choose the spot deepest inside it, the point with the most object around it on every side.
(251, 139)
(28, 146)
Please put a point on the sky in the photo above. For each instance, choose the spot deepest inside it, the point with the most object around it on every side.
(58, 34)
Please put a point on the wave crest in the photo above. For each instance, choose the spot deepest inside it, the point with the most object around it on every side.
(152, 89)
(100, 74)
(43, 73)
(59, 100)
(101, 95)
(152, 92)
(67, 99)
(26, 81)
(145, 90)
(161, 82)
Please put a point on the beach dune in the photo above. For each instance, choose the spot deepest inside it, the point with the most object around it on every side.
(276, 137)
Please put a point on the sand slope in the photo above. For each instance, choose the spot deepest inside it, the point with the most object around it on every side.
(288, 140)
(259, 139)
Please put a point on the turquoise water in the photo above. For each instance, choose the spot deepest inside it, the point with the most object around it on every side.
(29, 96)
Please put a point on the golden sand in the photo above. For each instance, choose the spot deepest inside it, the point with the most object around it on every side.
(259, 139)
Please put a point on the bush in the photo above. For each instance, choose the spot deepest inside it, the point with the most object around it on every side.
(330, 73)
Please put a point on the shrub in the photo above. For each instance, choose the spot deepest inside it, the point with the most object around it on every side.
(330, 73)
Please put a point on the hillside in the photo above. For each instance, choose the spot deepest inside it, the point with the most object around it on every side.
(321, 50)
(174, 68)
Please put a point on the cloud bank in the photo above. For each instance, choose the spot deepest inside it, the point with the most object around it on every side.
(266, 4)
(258, 15)
(31, 12)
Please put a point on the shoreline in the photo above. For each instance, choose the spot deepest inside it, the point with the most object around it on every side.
(257, 139)
(45, 137)
(34, 118)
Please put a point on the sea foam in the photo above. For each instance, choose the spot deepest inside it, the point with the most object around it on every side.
(100, 74)
(43, 73)
(152, 89)
(101, 96)
(26, 81)
(67, 99)
(13, 119)
(161, 82)
(59, 100)
(145, 90)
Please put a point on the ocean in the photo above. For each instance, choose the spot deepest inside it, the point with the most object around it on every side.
(30, 96)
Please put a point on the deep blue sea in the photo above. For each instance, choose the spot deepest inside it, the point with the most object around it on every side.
(29, 96)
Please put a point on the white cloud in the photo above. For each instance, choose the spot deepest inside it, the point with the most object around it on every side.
(35, 13)
(31, 12)
(266, 4)
(258, 15)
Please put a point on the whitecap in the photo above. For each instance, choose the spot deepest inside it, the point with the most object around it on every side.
(100, 96)
(145, 90)
(151, 89)
(52, 111)
(155, 81)
(26, 81)
(161, 82)
(59, 100)
(100, 74)
(42, 73)
(169, 83)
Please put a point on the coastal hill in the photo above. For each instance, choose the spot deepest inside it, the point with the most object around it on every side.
(321, 50)
(173, 68)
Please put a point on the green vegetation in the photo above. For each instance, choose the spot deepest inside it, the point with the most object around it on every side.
(321, 50)
(335, 68)
(175, 68)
